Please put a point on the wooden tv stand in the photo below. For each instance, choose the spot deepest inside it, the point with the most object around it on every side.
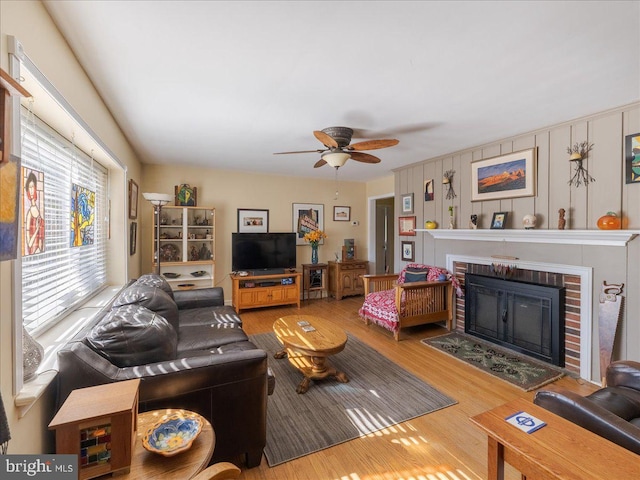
(265, 290)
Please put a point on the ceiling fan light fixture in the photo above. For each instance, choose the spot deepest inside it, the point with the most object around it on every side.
(336, 159)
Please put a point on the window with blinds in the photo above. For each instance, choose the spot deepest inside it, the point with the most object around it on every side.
(56, 275)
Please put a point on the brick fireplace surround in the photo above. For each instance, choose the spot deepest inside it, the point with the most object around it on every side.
(578, 282)
(572, 304)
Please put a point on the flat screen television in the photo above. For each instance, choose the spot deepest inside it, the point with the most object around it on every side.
(255, 252)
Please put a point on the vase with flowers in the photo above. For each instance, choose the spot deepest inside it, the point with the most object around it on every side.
(314, 237)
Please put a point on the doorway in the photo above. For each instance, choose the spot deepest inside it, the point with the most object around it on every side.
(384, 233)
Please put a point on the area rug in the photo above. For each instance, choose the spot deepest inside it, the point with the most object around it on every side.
(379, 394)
(503, 363)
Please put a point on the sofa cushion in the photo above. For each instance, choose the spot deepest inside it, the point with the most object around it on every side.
(220, 317)
(133, 335)
(155, 280)
(153, 298)
(205, 337)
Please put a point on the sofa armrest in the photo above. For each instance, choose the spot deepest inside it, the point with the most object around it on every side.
(591, 416)
(80, 367)
(197, 298)
(624, 373)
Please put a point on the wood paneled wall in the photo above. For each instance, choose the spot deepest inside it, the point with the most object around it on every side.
(583, 205)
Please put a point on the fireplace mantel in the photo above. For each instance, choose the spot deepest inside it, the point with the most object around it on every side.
(614, 238)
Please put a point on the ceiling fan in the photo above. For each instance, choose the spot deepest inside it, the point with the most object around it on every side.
(338, 149)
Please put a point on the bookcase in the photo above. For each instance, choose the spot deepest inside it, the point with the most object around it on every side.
(187, 246)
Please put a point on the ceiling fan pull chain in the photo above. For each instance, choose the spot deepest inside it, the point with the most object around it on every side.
(336, 197)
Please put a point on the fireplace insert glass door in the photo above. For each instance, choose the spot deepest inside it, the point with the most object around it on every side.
(525, 317)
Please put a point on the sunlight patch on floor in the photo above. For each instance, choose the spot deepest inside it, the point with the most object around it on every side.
(439, 472)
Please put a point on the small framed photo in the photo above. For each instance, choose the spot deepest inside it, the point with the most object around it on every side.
(407, 225)
(407, 203)
(253, 221)
(341, 214)
(407, 251)
(499, 220)
(133, 200)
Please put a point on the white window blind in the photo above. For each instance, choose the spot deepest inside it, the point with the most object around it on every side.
(60, 277)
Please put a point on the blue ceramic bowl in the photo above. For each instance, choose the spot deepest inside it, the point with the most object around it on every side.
(173, 434)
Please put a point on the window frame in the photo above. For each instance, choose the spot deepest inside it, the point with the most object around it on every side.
(57, 107)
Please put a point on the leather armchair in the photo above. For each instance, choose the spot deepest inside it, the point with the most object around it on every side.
(612, 412)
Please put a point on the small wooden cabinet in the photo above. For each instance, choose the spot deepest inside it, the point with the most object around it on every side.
(265, 290)
(187, 246)
(345, 278)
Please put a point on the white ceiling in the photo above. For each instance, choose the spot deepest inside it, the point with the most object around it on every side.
(224, 84)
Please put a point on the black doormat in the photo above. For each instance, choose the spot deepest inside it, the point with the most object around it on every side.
(507, 365)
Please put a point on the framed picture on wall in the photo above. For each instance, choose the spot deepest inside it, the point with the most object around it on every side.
(632, 158)
(506, 176)
(407, 203)
(341, 214)
(133, 237)
(306, 218)
(133, 200)
(407, 225)
(407, 251)
(253, 221)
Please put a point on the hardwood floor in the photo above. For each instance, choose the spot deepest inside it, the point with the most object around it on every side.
(443, 445)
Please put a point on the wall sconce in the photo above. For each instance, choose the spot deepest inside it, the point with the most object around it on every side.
(578, 153)
(447, 180)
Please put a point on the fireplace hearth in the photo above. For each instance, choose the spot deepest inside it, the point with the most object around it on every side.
(523, 316)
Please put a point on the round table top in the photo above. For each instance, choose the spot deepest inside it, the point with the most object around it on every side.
(147, 465)
(326, 338)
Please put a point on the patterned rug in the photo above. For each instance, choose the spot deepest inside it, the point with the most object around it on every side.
(519, 370)
(379, 394)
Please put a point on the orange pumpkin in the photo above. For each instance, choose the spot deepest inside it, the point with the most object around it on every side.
(610, 221)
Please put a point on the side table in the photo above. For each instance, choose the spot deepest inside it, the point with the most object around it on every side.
(314, 279)
(146, 465)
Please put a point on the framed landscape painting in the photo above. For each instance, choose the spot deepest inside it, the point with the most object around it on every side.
(506, 176)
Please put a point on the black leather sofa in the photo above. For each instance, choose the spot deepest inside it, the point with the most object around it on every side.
(189, 351)
(612, 412)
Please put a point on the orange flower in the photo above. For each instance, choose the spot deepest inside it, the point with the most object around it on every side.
(314, 237)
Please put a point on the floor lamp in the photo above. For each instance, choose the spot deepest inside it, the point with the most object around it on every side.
(158, 200)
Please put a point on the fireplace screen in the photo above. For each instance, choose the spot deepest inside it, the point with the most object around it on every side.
(525, 317)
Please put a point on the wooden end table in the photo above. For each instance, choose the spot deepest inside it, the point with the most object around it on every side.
(146, 465)
(308, 350)
(561, 449)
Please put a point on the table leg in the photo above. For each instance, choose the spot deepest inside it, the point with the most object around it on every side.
(495, 460)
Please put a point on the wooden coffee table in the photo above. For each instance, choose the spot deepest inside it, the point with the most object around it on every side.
(308, 350)
(561, 449)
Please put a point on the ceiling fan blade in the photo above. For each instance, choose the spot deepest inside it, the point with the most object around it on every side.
(372, 144)
(301, 151)
(327, 140)
(320, 163)
(364, 157)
